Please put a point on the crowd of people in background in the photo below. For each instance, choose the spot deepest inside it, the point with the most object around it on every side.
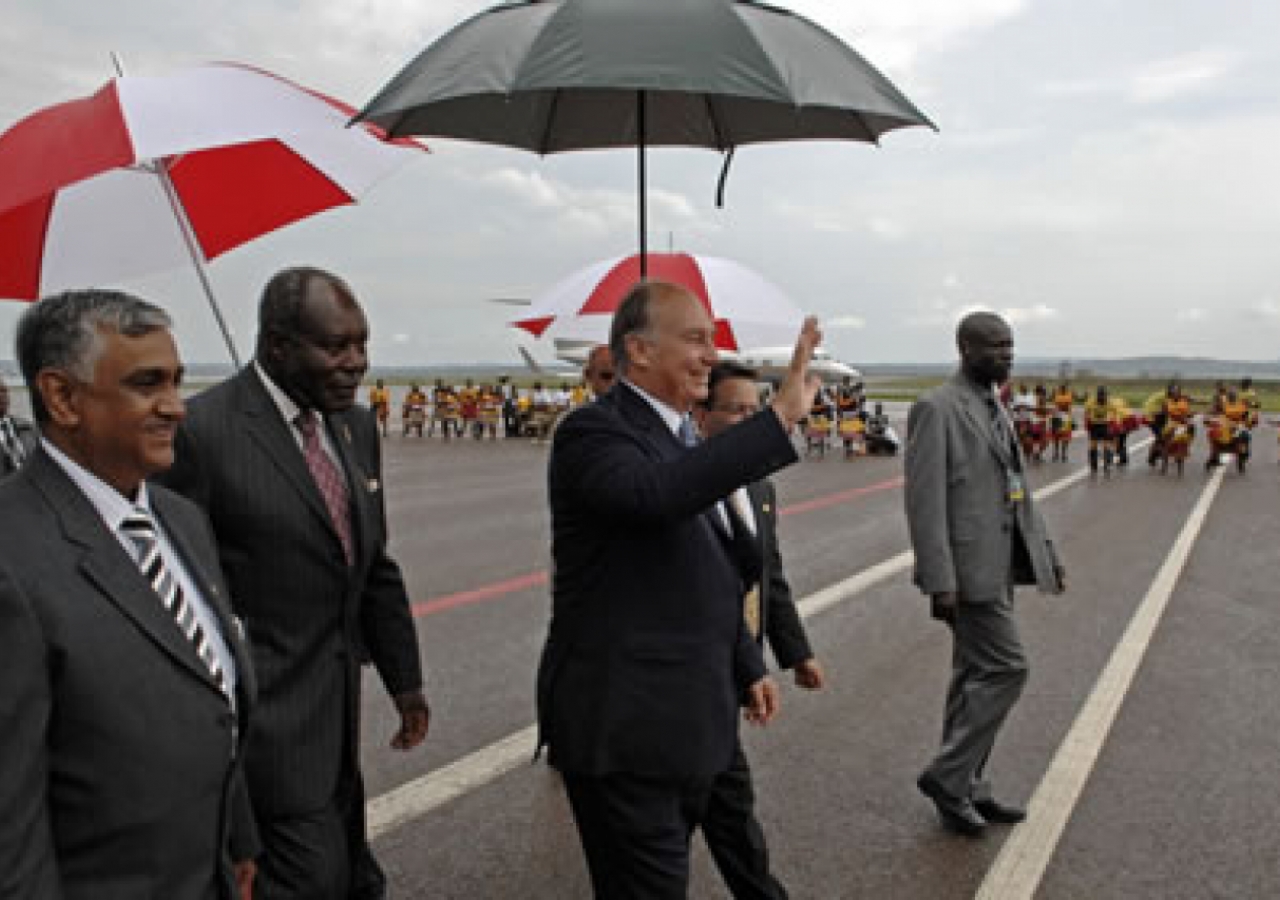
(478, 411)
(1046, 418)
(840, 416)
(1046, 421)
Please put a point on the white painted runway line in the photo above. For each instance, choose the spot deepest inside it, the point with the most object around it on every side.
(426, 793)
(1021, 864)
(421, 795)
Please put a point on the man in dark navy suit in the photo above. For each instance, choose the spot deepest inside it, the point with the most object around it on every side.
(648, 660)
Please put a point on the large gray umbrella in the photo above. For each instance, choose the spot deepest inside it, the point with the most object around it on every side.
(555, 75)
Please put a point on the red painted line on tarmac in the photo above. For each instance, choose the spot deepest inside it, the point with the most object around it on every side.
(843, 496)
(425, 608)
(479, 595)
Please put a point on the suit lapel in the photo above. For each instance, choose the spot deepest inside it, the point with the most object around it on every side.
(764, 524)
(759, 496)
(653, 431)
(645, 419)
(267, 427)
(106, 564)
(979, 415)
(229, 624)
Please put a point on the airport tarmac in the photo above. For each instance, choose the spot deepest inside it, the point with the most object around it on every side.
(1145, 742)
(1169, 786)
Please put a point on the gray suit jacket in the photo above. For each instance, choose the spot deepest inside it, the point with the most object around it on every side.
(311, 617)
(967, 537)
(118, 755)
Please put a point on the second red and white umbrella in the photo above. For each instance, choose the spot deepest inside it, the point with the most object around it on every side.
(748, 310)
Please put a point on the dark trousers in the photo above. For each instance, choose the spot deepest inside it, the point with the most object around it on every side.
(635, 832)
(325, 854)
(320, 856)
(734, 835)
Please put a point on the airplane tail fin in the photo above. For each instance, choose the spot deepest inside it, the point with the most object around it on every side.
(531, 362)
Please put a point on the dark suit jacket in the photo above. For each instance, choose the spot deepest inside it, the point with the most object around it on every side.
(648, 654)
(27, 436)
(117, 755)
(779, 619)
(310, 617)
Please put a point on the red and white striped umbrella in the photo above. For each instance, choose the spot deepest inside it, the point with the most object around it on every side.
(748, 310)
(153, 173)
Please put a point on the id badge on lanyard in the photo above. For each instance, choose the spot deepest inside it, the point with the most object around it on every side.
(1015, 487)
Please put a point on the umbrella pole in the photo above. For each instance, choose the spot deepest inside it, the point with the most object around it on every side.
(197, 257)
(644, 225)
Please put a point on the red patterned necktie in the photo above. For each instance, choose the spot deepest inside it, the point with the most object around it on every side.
(328, 478)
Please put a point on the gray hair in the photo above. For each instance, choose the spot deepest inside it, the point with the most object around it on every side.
(633, 316)
(65, 331)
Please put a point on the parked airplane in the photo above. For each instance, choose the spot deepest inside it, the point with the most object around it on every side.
(770, 362)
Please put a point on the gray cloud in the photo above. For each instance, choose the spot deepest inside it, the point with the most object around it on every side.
(1095, 161)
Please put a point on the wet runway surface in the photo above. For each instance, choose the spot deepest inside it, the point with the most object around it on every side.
(1184, 799)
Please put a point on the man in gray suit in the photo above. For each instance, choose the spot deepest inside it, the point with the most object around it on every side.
(125, 685)
(976, 533)
(18, 438)
(288, 468)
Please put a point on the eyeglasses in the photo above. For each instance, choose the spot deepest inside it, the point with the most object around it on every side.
(737, 409)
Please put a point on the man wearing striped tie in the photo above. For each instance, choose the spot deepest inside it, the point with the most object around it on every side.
(125, 684)
(17, 437)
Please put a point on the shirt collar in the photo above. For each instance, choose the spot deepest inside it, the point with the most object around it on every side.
(284, 403)
(113, 506)
(671, 417)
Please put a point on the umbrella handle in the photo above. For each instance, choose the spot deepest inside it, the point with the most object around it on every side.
(643, 179)
(724, 175)
(197, 255)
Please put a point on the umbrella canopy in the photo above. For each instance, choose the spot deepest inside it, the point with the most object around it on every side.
(748, 310)
(555, 75)
(150, 174)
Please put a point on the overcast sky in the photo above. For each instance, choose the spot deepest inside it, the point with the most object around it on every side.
(1107, 172)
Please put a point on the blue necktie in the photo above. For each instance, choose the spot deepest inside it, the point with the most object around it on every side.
(687, 433)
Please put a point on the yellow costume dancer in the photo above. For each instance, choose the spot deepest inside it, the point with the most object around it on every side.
(1098, 415)
(380, 403)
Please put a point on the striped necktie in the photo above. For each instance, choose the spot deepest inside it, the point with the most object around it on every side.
(10, 443)
(140, 529)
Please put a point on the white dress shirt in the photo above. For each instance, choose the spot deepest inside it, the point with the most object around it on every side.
(114, 508)
(289, 412)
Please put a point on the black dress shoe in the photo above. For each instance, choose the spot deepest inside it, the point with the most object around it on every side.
(957, 813)
(994, 811)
